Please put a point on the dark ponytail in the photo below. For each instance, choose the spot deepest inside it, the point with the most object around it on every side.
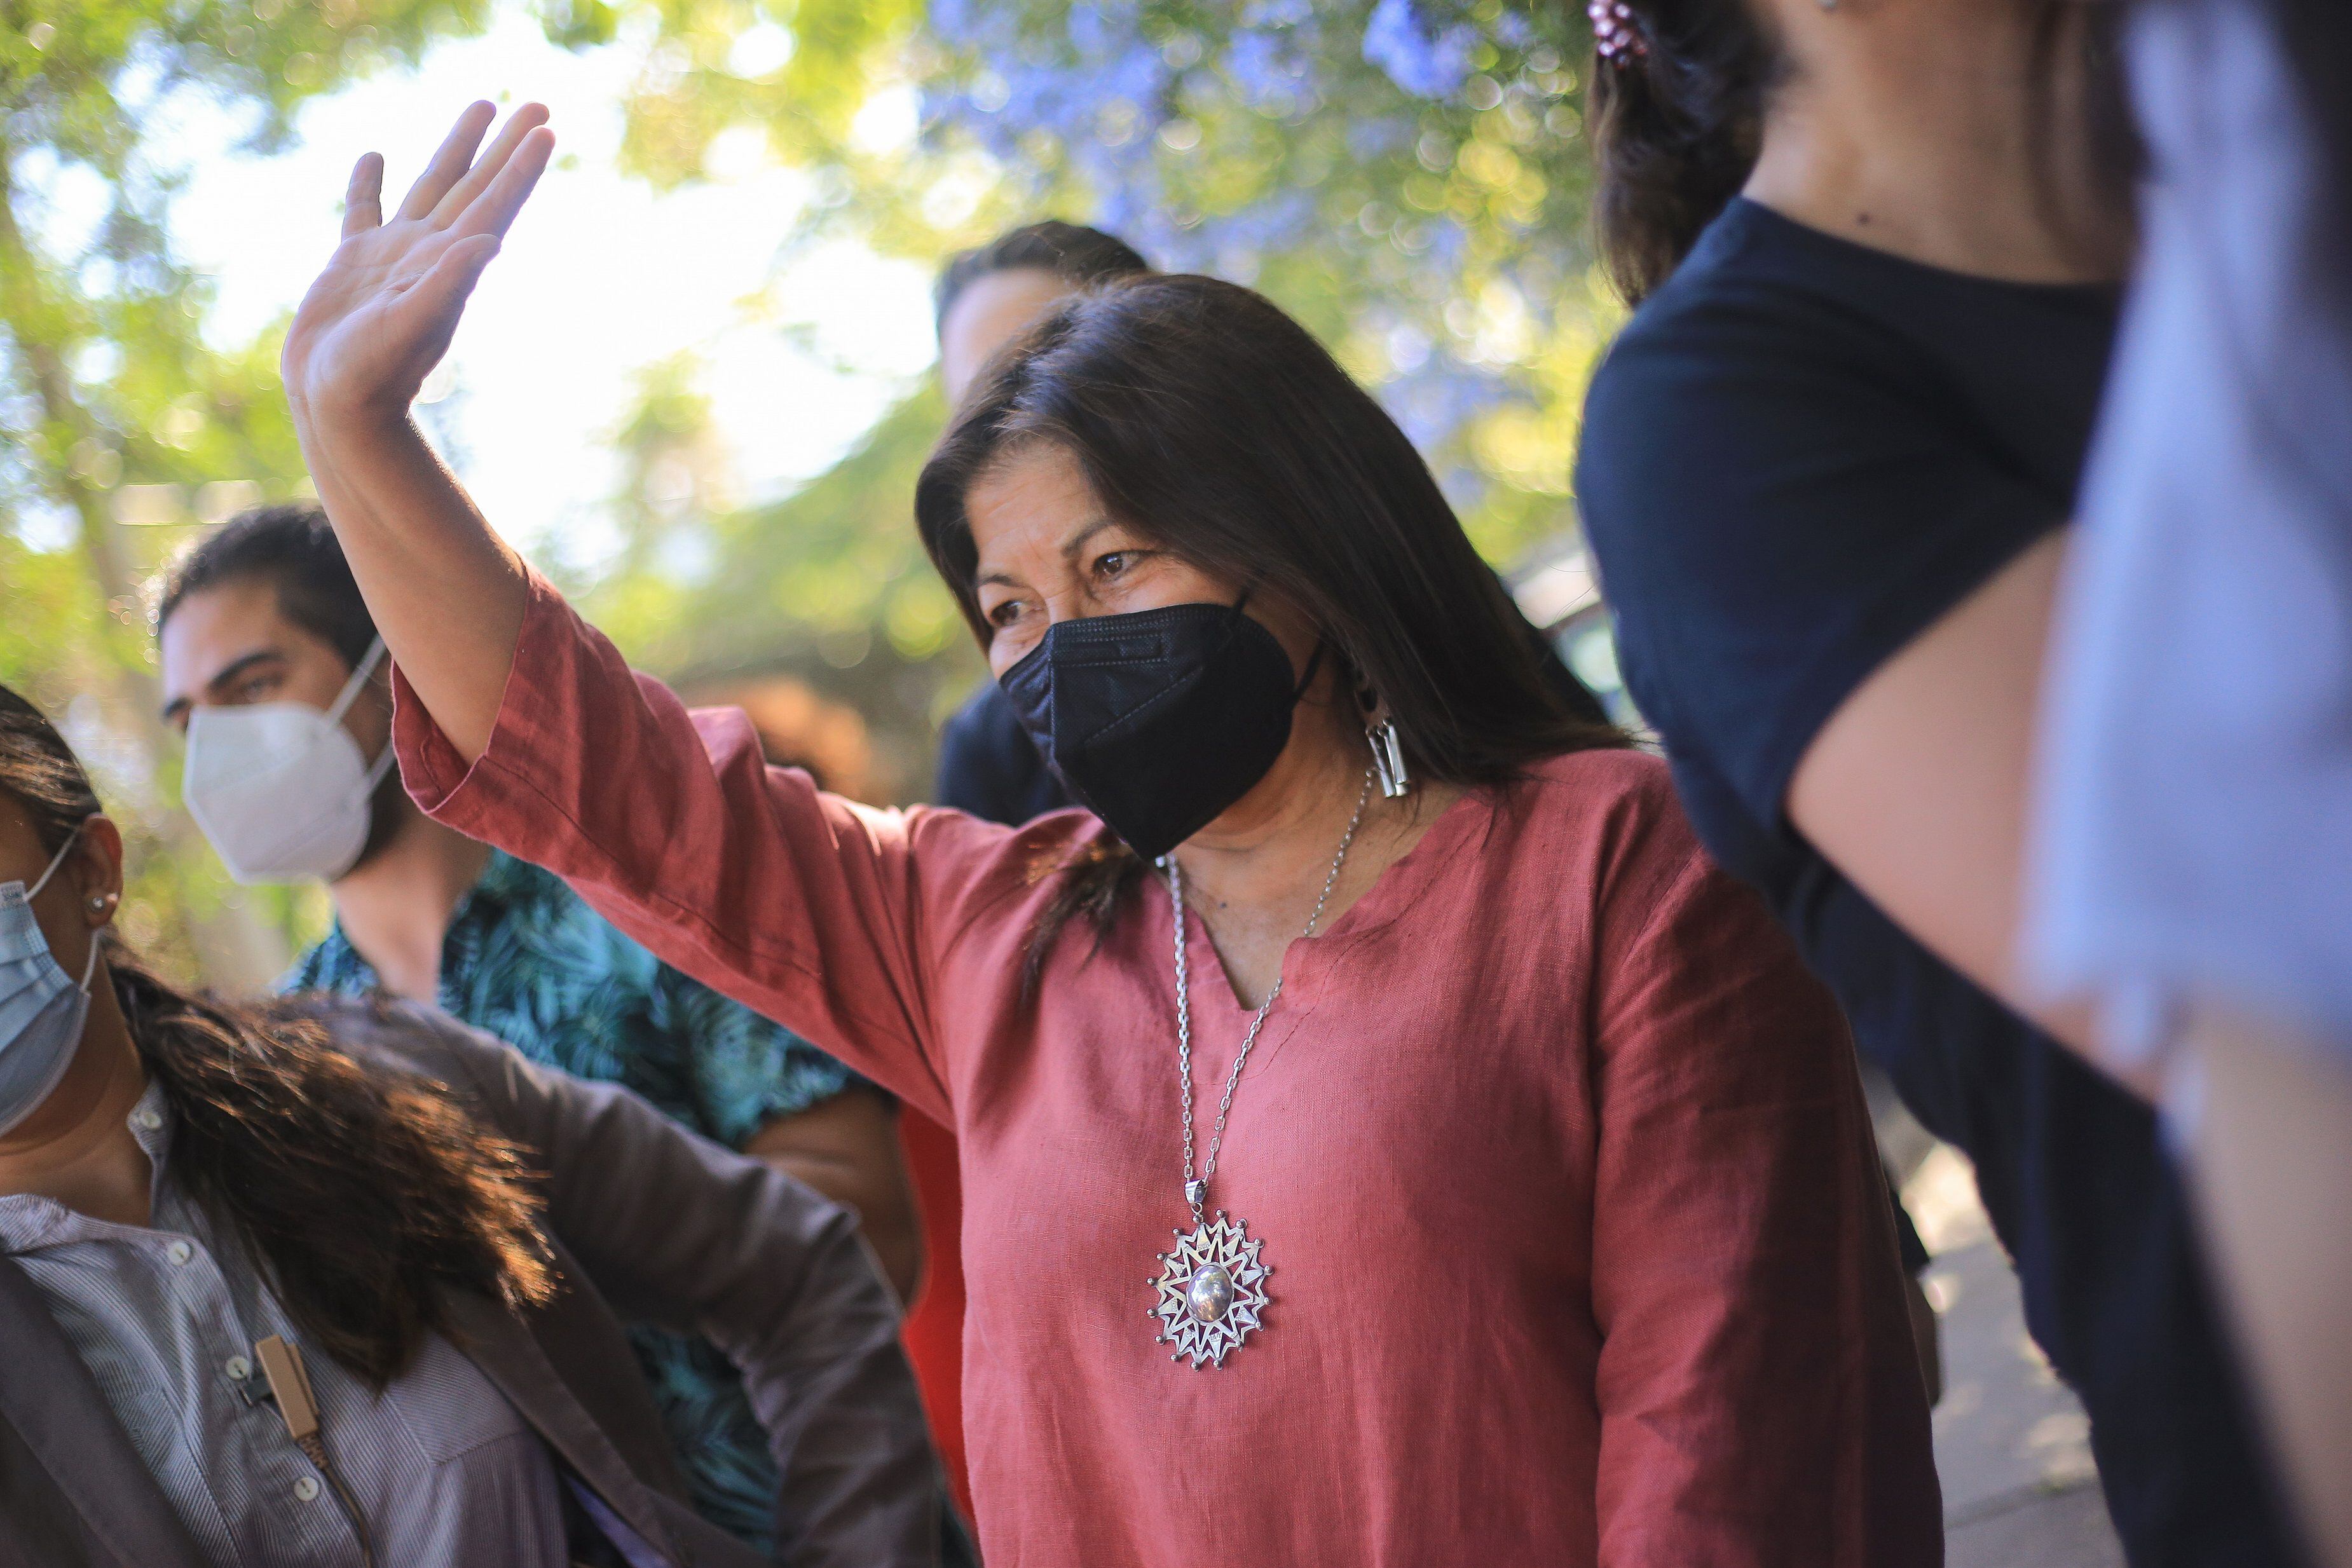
(361, 1188)
(1676, 128)
(361, 1191)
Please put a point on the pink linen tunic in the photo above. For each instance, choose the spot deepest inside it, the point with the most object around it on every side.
(1581, 1251)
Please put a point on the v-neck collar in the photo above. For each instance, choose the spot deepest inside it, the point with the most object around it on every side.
(1307, 959)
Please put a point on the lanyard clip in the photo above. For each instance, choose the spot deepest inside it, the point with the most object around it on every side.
(289, 1386)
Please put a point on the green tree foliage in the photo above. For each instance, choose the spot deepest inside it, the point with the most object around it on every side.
(1408, 176)
(120, 424)
(1410, 179)
(825, 587)
(833, 561)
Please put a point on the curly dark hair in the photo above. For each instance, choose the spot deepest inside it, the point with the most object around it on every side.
(360, 1189)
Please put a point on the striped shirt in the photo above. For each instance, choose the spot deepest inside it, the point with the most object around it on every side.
(444, 1470)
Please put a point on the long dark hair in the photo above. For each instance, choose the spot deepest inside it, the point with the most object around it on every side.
(1218, 427)
(1677, 127)
(359, 1190)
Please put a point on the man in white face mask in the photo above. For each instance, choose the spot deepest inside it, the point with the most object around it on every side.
(272, 668)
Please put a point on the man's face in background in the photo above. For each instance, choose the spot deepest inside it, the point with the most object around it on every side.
(991, 311)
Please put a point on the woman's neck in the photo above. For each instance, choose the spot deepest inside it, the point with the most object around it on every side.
(78, 1147)
(1913, 129)
(1253, 876)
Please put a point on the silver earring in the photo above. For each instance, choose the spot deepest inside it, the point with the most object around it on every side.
(1388, 759)
(97, 903)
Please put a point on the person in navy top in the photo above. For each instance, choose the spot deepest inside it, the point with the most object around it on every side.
(1843, 414)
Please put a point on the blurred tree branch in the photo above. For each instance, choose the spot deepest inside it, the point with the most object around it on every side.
(114, 409)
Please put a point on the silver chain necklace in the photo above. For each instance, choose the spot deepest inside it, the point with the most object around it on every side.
(1212, 1288)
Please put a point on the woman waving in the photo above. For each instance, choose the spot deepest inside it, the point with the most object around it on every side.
(1386, 1138)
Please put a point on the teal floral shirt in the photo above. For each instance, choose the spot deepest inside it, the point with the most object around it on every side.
(527, 960)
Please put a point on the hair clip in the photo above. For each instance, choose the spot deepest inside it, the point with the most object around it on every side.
(1616, 32)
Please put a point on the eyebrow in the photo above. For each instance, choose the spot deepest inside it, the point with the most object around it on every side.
(1071, 549)
(1078, 542)
(235, 668)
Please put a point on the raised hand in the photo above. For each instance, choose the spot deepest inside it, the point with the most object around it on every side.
(381, 316)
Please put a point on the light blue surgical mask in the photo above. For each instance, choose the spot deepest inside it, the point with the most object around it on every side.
(41, 1008)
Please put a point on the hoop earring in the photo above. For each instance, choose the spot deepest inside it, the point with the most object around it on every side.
(1388, 759)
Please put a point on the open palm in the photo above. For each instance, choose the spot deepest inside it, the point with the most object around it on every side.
(381, 316)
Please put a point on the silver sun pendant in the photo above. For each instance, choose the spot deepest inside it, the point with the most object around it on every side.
(1211, 1291)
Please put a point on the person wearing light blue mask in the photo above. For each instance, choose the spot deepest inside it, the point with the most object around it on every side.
(300, 1282)
(43, 1008)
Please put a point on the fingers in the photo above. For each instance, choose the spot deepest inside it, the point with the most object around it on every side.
(493, 212)
(363, 197)
(448, 165)
(442, 292)
(521, 123)
(426, 315)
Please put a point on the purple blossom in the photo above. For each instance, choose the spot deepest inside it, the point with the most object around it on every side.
(1337, 93)
(1261, 68)
(1424, 65)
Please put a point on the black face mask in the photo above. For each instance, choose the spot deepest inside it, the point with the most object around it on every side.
(1159, 719)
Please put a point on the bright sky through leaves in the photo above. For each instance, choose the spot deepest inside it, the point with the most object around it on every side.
(601, 278)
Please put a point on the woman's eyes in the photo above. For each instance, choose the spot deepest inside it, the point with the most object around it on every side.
(1109, 567)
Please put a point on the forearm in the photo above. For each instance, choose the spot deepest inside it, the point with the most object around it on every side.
(2270, 1159)
(447, 593)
